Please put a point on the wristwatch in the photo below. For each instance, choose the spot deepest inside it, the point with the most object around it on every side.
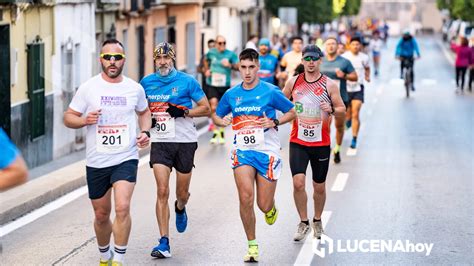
(276, 121)
(146, 133)
(186, 112)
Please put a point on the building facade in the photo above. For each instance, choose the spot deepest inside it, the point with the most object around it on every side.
(26, 86)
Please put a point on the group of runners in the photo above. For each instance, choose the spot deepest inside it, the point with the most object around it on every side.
(164, 104)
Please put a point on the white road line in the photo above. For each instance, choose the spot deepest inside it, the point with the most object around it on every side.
(61, 201)
(340, 183)
(38, 213)
(306, 252)
(351, 152)
(445, 52)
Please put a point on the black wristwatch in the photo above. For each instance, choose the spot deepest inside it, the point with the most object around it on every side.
(146, 133)
(276, 121)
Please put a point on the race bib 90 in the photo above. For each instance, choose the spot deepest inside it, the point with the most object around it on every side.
(164, 128)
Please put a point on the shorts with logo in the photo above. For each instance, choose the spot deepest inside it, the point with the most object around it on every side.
(357, 95)
(100, 180)
(179, 156)
(216, 92)
(318, 156)
(266, 165)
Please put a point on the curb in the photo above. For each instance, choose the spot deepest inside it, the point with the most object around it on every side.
(21, 200)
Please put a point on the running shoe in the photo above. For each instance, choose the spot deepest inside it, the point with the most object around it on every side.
(337, 157)
(162, 250)
(348, 123)
(252, 254)
(221, 136)
(317, 229)
(271, 216)
(117, 263)
(211, 126)
(214, 139)
(354, 143)
(302, 231)
(412, 88)
(181, 218)
(105, 262)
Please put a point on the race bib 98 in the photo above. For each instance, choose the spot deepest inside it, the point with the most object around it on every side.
(250, 138)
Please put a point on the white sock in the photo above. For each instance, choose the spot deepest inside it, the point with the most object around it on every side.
(119, 252)
(105, 253)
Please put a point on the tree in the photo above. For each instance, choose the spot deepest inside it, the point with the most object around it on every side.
(310, 11)
(459, 9)
(351, 7)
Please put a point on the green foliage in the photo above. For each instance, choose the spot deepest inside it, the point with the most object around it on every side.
(310, 11)
(352, 7)
(459, 9)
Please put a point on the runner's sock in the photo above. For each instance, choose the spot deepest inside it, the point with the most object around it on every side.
(119, 252)
(337, 148)
(354, 138)
(305, 222)
(176, 209)
(253, 242)
(105, 252)
(316, 220)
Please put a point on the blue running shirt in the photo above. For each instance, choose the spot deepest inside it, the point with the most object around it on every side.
(247, 106)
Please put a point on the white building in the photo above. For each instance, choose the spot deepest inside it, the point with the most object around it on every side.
(72, 64)
(235, 20)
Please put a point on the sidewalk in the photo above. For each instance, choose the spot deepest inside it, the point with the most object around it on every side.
(51, 185)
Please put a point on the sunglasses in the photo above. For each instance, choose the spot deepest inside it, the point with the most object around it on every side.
(221, 43)
(311, 58)
(108, 57)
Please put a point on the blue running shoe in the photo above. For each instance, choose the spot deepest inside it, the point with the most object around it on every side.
(162, 250)
(353, 143)
(181, 218)
(348, 123)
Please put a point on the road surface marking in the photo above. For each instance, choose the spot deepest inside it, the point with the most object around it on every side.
(306, 252)
(428, 82)
(351, 152)
(60, 202)
(40, 212)
(445, 52)
(340, 183)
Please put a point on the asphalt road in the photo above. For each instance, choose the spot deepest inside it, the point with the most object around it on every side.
(411, 180)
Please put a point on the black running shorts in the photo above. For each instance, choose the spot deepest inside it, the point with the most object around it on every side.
(100, 180)
(318, 156)
(357, 95)
(216, 92)
(179, 156)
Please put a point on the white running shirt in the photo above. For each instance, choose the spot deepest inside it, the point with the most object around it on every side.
(360, 62)
(113, 139)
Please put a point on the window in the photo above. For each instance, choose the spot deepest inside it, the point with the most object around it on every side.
(36, 89)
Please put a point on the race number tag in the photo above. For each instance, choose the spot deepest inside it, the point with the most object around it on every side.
(218, 80)
(112, 138)
(250, 138)
(309, 132)
(164, 128)
(309, 122)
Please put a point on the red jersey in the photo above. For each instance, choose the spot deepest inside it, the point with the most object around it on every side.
(311, 126)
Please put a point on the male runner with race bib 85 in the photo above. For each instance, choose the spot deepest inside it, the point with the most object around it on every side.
(316, 98)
